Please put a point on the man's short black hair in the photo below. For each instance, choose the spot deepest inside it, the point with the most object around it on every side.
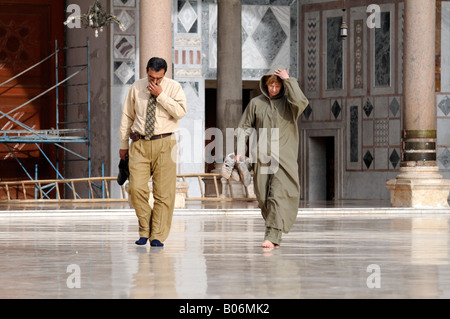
(157, 64)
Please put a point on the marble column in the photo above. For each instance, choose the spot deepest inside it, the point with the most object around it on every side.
(229, 83)
(155, 33)
(419, 183)
(229, 66)
(155, 40)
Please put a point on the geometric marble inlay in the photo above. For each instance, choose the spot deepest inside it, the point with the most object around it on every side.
(271, 39)
(354, 134)
(124, 71)
(125, 3)
(126, 19)
(444, 105)
(368, 108)
(336, 109)
(266, 36)
(191, 85)
(394, 107)
(187, 17)
(368, 159)
(307, 112)
(358, 54)
(383, 51)
(394, 158)
(312, 63)
(334, 58)
(381, 132)
(124, 47)
(444, 158)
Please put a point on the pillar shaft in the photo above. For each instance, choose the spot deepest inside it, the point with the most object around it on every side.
(419, 116)
(419, 183)
(155, 33)
(229, 65)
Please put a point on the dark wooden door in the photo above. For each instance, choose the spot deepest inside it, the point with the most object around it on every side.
(28, 30)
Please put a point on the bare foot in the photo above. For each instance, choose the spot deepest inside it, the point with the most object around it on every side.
(269, 244)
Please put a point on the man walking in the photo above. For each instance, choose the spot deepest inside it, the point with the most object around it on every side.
(150, 116)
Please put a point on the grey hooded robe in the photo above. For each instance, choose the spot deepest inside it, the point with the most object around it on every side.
(276, 181)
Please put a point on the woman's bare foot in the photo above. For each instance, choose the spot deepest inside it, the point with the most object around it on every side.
(269, 244)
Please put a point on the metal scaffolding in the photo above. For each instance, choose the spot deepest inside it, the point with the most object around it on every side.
(66, 133)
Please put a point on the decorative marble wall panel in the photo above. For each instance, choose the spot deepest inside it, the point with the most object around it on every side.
(269, 37)
(443, 105)
(443, 100)
(358, 71)
(373, 133)
(399, 46)
(381, 160)
(354, 134)
(445, 47)
(187, 57)
(307, 113)
(368, 159)
(443, 140)
(368, 135)
(187, 60)
(358, 51)
(336, 109)
(395, 108)
(394, 158)
(124, 43)
(124, 63)
(124, 47)
(381, 107)
(124, 3)
(382, 131)
(187, 16)
(394, 132)
(334, 75)
(383, 53)
(443, 157)
(368, 108)
(322, 110)
(334, 62)
(312, 53)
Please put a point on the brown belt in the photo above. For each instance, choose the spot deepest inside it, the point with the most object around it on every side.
(135, 136)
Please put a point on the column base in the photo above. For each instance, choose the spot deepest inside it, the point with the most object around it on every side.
(419, 187)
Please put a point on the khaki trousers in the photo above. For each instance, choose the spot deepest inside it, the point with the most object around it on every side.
(153, 159)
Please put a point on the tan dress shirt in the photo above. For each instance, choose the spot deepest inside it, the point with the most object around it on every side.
(170, 109)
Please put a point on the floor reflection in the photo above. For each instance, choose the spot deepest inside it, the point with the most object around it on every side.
(218, 256)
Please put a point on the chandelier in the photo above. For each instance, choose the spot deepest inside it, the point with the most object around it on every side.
(96, 18)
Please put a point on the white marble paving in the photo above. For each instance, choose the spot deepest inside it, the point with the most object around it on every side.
(217, 256)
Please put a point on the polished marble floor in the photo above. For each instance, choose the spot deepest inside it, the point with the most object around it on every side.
(90, 253)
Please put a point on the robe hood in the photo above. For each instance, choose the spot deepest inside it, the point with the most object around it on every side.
(264, 90)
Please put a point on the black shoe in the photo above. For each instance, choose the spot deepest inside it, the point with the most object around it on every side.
(124, 173)
(156, 243)
(141, 241)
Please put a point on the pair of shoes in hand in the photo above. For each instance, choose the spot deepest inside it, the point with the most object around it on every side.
(238, 168)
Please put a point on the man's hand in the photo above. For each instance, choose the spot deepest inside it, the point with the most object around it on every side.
(154, 88)
(283, 74)
(123, 154)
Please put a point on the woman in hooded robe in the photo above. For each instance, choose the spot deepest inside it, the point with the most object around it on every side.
(273, 116)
